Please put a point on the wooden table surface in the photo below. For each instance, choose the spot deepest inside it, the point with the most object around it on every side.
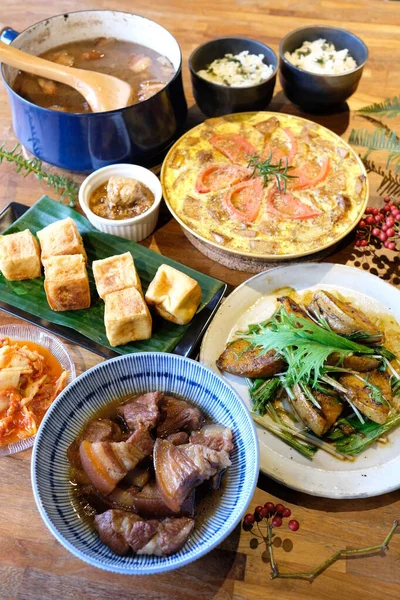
(33, 566)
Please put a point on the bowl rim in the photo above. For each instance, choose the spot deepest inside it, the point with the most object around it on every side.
(84, 200)
(92, 115)
(153, 569)
(233, 87)
(318, 75)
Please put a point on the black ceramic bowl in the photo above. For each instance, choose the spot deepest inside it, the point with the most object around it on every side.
(314, 92)
(215, 99)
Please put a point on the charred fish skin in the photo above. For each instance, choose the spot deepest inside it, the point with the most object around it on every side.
(292, 308)
(318, 420)
(362, 396)
(361, 364)
(308, 413)
(331, 408)
(341, 317)
(242, 359)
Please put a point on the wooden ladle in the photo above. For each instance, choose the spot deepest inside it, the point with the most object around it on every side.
(101, 92)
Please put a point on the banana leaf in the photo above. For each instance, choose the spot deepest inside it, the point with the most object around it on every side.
(29, 295)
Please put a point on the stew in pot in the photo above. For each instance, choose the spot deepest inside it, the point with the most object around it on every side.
(144, 69)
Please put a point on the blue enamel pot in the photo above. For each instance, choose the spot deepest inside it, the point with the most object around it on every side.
(84, 142)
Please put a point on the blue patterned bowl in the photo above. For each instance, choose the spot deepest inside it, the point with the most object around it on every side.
(119, 377)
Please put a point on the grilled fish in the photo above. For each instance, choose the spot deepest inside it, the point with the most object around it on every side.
(241, 358)
(319, 421)
(341, 317)
(361, 364)
(291, 307)
(363, 397)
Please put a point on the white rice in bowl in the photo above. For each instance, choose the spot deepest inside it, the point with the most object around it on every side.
(321, 57)
(237, 70)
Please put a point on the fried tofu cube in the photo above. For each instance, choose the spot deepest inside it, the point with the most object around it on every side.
(20, 256)
(115, 273)
(66, 283)
(126, 317)
(61, 238)
(174, 295)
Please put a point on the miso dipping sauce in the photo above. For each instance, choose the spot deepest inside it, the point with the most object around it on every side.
(121, 198)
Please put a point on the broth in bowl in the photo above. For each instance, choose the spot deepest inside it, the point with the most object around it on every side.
(146, 71)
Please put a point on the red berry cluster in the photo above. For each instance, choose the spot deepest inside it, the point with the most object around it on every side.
(382, 224)
(270, 511)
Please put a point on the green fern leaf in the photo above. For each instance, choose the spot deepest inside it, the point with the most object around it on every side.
(393, 161)
(379, 139)
(389, 108)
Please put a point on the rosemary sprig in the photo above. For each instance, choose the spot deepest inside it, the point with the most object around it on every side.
(267, 169)
(60, 184)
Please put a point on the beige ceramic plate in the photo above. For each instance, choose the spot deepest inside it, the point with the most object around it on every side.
(196, 140)
(376, 470)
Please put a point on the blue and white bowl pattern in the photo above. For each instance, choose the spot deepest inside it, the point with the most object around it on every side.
(121, 377)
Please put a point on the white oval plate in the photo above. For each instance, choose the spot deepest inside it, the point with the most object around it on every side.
(377, 471)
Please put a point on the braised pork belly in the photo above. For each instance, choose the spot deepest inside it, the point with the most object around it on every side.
(136, 469)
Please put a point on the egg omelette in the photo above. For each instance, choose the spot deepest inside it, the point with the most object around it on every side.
(212, 187)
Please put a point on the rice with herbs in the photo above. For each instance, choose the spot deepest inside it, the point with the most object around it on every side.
(237, 70)
(321, 57)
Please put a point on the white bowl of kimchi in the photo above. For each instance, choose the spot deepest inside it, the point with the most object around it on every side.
(35, 367)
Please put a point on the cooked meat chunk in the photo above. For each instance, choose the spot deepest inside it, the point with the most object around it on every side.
(139, 63)
(122, 531)
(106, 463)
(123, 191)
(122, 498)
(215, 436)
(176, 474)
(63, 58)
(361, 364)
(178, 438)
(141, 533)
(149, 503)
(240, 358)
(172, 534)
(101, 430)
(142, 410)
(48, 86)
(365, 399)
(114, 527)
(176, 415)
(318, 420)
(341, 317)
(209, 462)
(138, 477)
(291, 307)
(267, 127)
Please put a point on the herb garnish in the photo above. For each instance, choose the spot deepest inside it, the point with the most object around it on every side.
(59, 183)
(320, 61)
(267, 169)
(305, 345)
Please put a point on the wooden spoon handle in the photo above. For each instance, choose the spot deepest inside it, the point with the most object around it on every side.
(35, 65)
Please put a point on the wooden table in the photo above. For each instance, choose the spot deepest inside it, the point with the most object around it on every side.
(32, 564)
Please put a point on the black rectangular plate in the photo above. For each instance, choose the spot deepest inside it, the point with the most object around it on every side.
(187, 346)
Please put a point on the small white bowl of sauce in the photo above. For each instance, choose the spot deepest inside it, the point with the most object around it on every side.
(123, 200)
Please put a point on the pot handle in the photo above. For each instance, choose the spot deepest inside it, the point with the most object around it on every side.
(7, 34)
